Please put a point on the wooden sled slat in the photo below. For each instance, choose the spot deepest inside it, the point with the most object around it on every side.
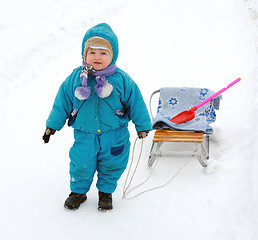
(163, 135)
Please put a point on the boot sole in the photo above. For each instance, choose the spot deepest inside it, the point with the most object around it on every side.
(75, 208)
(104, 209)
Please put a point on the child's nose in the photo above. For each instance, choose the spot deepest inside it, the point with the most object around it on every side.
(97, 56)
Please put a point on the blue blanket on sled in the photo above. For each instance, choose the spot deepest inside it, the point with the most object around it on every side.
(173, 101)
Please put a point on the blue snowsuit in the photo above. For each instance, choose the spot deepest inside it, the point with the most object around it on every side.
(101, 136)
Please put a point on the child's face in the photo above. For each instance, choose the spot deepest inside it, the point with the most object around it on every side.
(98, 58)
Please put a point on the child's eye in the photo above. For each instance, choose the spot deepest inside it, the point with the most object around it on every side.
(103, 53)
(91, 51)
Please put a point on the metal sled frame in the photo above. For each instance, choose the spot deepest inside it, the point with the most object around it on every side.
(179, 144)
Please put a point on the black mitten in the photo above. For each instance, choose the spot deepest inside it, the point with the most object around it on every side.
(142, 134)
(47, 134)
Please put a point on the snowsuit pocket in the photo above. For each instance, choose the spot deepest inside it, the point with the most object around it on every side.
(115, 151)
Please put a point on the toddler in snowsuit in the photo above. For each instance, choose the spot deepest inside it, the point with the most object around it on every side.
(99, 100)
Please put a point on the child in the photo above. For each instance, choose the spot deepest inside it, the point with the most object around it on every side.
(100, 99)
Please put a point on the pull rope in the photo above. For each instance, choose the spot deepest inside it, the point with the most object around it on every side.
(125, 189)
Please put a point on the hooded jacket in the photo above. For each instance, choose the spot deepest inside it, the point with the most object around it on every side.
(96, 114)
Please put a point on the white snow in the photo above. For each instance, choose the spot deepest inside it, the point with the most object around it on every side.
(162, 43)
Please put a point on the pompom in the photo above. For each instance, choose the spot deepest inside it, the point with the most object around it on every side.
(105, 90)
(82, 92)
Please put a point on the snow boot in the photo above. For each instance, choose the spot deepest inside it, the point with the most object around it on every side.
(105, 201)
(74, 200)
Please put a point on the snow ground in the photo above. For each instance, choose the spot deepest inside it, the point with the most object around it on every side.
(164, 43)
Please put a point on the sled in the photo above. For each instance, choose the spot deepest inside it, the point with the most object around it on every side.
(172, 143)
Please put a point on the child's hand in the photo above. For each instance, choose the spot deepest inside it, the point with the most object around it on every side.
(142, 134)
(47, 134)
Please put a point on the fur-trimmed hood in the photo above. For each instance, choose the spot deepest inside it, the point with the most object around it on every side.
(102, 30)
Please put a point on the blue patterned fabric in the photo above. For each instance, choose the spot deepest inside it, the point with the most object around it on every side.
(173, 101)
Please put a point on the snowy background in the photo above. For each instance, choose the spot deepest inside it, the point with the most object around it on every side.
(199, 43)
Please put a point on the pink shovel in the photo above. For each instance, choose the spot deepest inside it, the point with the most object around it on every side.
(186, 116)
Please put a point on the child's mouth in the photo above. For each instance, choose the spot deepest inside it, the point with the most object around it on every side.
(97, 62)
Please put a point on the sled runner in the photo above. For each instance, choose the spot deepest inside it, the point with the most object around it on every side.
(185, 139)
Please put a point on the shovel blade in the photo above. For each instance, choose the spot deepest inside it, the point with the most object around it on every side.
(182, 117)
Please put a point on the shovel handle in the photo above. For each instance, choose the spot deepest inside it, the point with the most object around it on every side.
(217, 93)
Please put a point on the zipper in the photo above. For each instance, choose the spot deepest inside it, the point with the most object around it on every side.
(97, 114)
